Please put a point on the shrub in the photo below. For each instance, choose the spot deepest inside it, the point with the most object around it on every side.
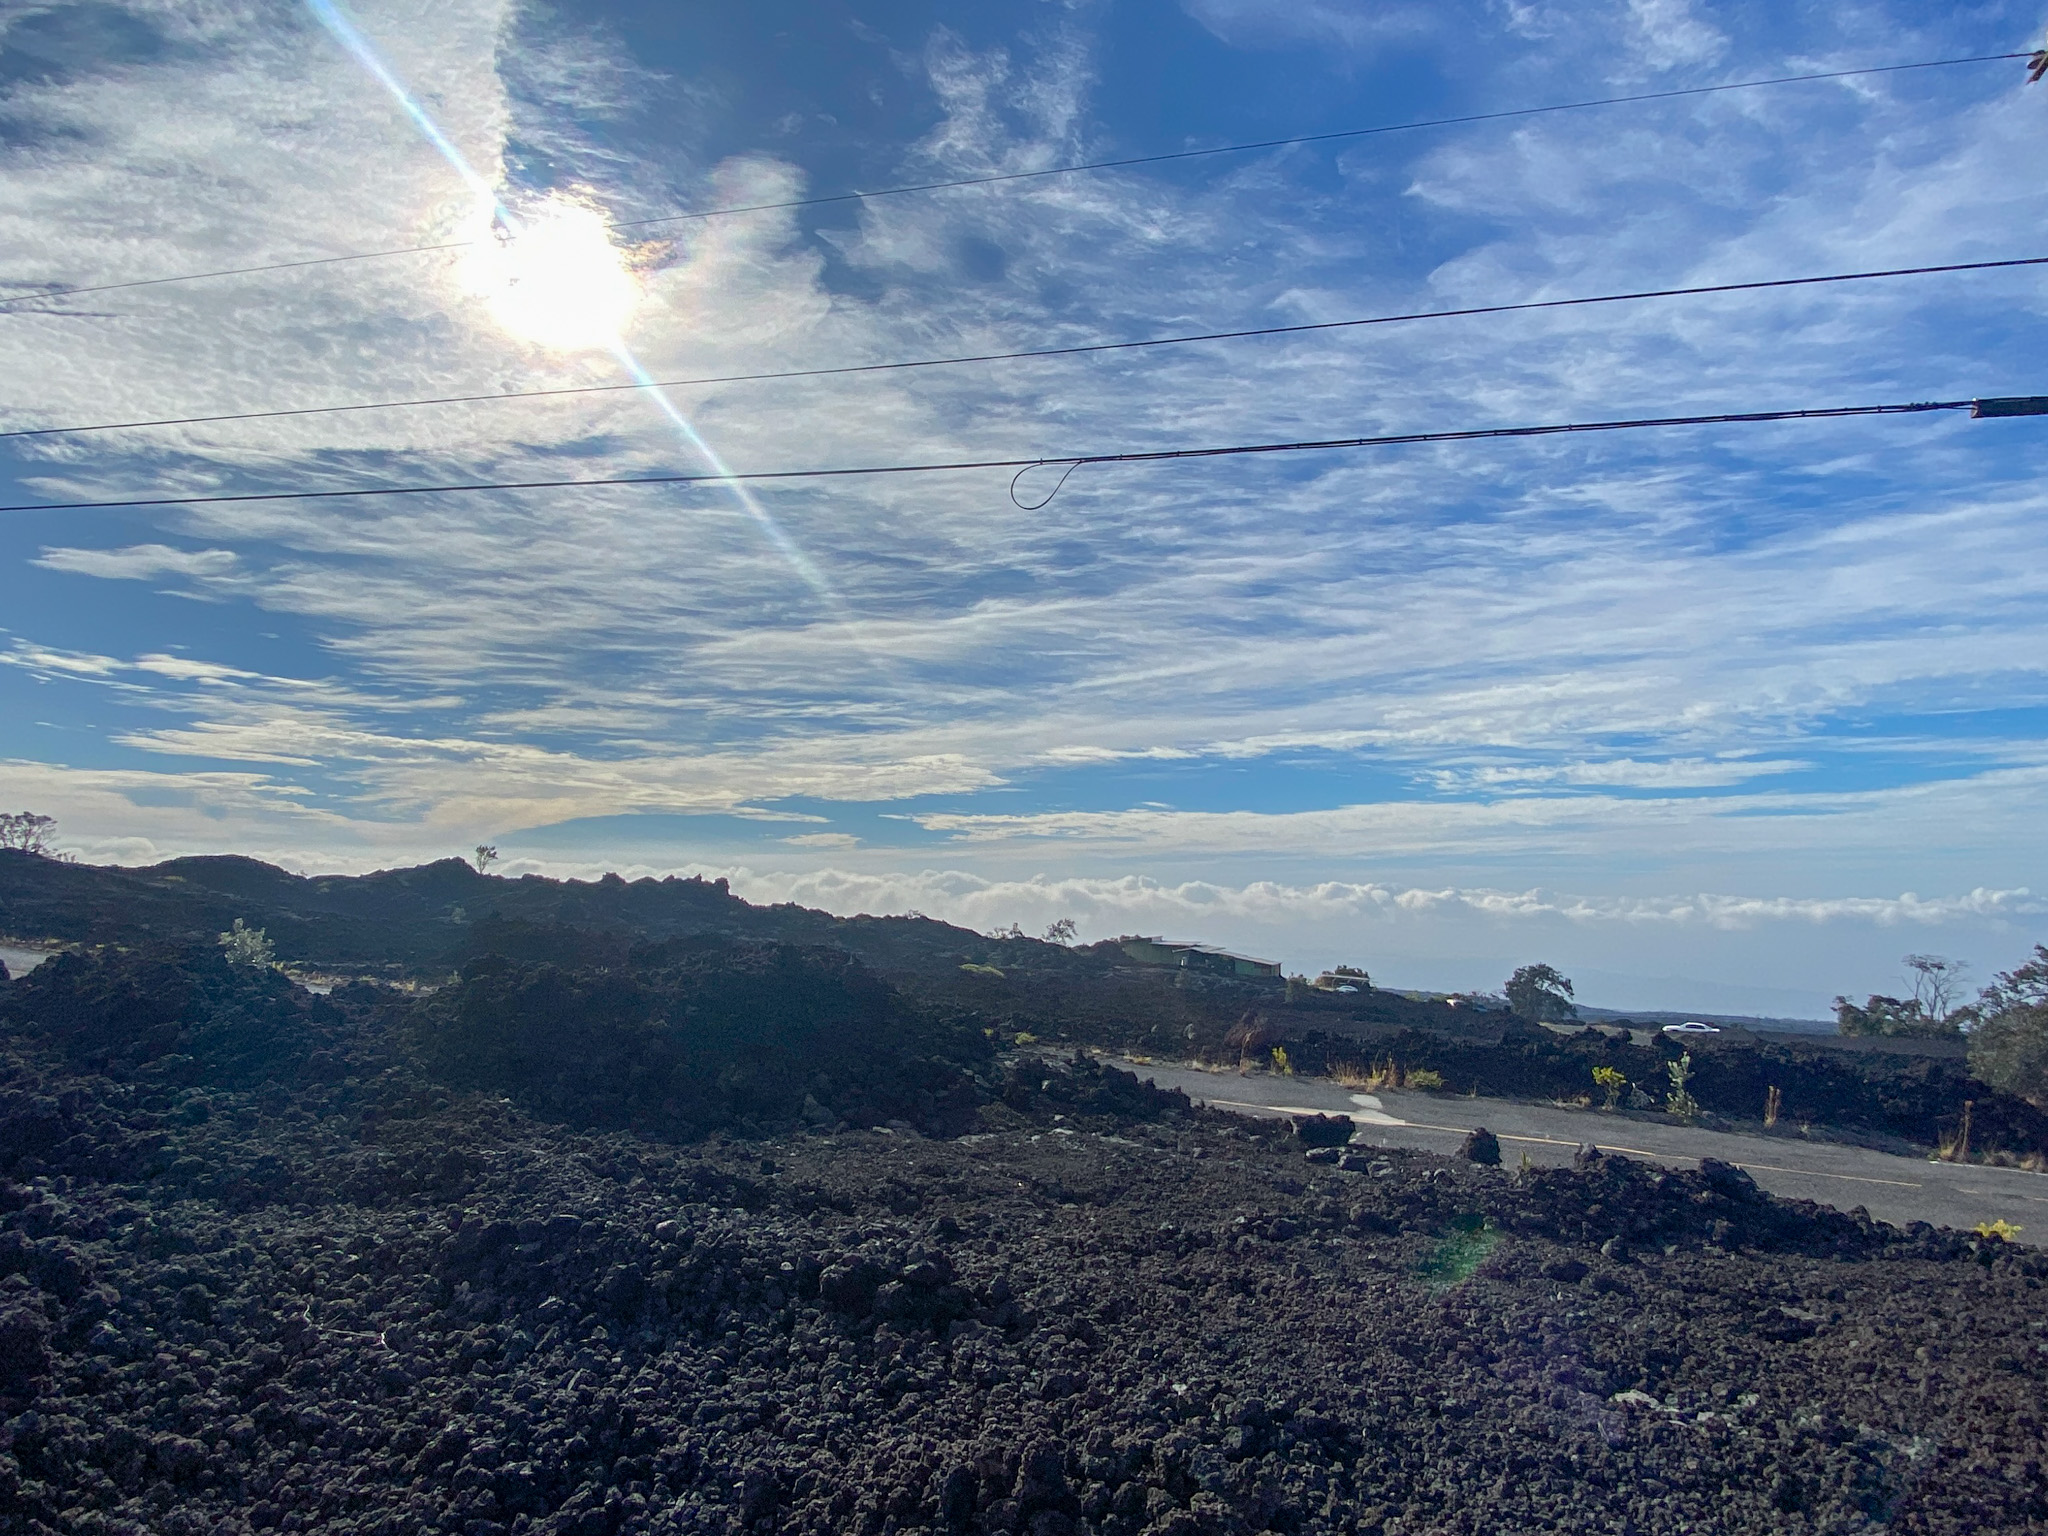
(1611, 1079)
(2000, 1231)
(1280, 1062)
(2009, 1049)
(1425, 1080)
(1679, 1102)
(1878, 1015)
(248, 946)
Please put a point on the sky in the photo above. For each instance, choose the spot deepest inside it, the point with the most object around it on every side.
(1729, 717)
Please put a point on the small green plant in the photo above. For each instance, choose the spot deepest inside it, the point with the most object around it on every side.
(1999, 1231)
(1463, 1249)
(1679, 1102)
(248, 946)
(1425, 1080)
(1612, 1080)
(1025, 1037)
(1280, 1062)
(981, 970)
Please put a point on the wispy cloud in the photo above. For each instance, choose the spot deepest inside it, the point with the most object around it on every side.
(138, 562)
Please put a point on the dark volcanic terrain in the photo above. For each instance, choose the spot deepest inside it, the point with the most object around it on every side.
(423, 925)
(725, 1233)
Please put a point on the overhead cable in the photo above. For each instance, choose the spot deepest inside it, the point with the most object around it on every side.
(1056, 170)
(1081, 349)
(2022, 405)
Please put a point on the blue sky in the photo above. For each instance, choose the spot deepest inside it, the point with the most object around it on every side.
(1725, 717)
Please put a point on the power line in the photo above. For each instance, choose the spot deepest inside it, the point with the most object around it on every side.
(1325, 138)
(1057, 170)
(1035, 352)
(2021, 405)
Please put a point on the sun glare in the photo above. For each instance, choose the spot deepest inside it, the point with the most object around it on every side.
(556, 278)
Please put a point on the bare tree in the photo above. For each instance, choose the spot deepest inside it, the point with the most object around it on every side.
(1936, 981)
(1061, 932)
(28, 832)
(486, 856)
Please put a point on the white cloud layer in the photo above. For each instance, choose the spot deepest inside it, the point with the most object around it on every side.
(139, 562)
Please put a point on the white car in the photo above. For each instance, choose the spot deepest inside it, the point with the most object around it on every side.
(1692, 1027)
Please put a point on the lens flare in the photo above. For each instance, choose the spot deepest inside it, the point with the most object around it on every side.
(554, 277)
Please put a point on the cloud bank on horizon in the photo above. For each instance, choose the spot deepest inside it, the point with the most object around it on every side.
(1762, 704)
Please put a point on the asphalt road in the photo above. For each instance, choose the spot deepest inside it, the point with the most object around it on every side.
(20, 962)
(1894, 1189)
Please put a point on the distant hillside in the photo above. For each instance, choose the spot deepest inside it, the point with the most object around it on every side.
(427, 922)
(430, 918)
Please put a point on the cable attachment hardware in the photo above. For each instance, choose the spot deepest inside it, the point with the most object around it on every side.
(1058, 485)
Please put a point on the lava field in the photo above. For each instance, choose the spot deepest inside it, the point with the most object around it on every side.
(1100, 1311)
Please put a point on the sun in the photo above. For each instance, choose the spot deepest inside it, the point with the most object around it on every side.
(553, 275)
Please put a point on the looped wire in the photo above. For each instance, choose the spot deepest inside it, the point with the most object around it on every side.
(1035, 506)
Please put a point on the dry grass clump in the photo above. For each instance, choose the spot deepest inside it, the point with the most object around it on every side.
(1956, 1148)
(1372, 1077)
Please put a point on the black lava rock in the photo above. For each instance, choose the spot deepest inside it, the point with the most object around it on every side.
(1323, 1130)
(1481, 1146)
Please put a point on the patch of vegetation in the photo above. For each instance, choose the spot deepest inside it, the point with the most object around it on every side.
(2009, 1046)
(1612, 1080)
(1459, 1252)
(1541, 993)
(249, 947)
(1679, 1102)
